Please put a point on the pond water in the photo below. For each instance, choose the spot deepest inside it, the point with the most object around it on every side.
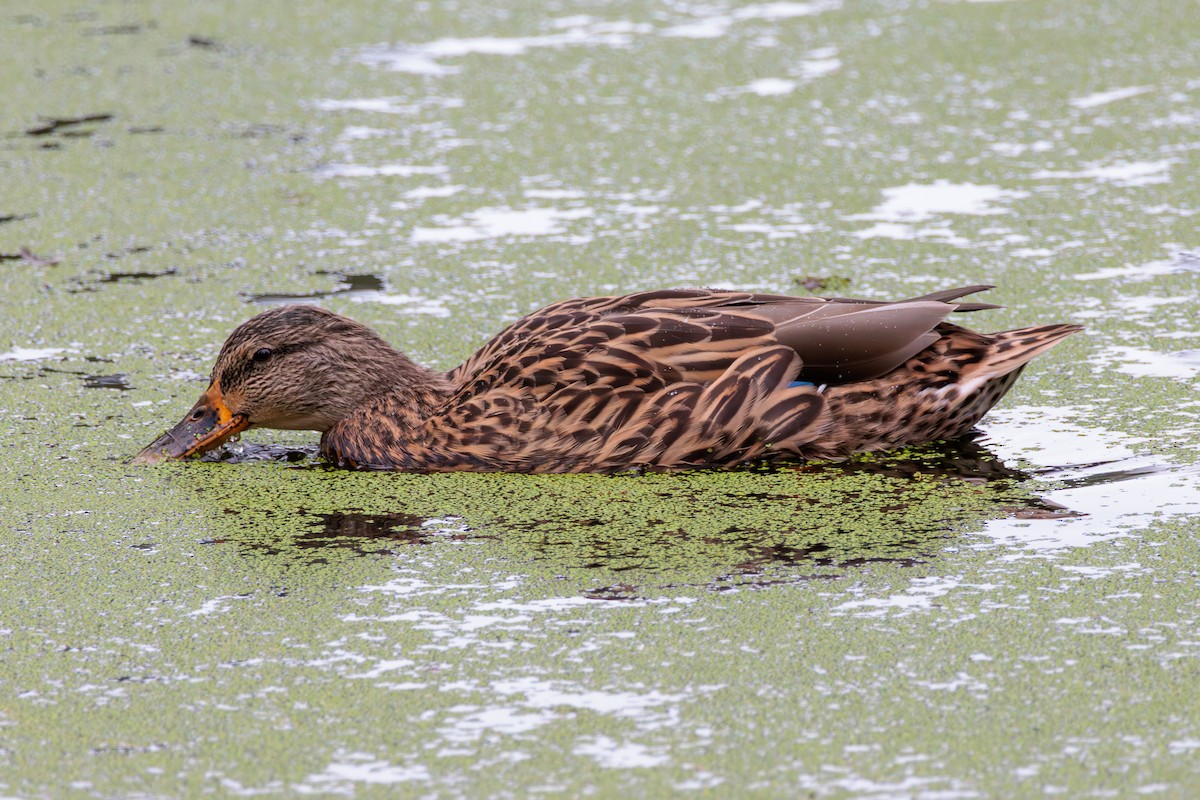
(1014, 615)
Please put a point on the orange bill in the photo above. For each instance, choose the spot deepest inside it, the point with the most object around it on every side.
(208, 425)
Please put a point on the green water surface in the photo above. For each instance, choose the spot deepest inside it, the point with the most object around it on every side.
(1014, 617)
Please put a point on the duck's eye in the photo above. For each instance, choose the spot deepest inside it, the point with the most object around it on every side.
(262, 354)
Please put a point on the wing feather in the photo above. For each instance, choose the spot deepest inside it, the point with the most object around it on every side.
(673, 377)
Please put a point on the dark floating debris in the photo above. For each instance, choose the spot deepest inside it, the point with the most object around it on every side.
(51, 125)
(763, 557)
(120, 30)
(258, 130)
(205, 42)
(142, 248)
(618, 591)
(1045, 509)
(829, 283)
(89, 285)
(119, 277)
(119, 381)
(15, 217)
(350, 285)
(29, 257)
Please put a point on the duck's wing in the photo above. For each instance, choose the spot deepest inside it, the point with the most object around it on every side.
(575, 315)
(614, 408)
(839, 338)
(662, 377)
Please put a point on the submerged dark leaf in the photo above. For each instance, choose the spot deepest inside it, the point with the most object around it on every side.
(55, 124)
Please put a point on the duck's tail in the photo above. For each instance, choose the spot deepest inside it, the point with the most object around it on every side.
(1008, 351)
(983, 383)
(940, 393)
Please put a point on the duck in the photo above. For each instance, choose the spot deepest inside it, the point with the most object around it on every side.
(664, 379)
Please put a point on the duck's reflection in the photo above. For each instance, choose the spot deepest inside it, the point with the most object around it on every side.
(964, 459)
(365, 534)
(897, 509)
(238, 452)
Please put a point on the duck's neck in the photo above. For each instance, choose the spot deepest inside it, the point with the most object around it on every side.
(402, 389)
(418, 389)
(395, 396)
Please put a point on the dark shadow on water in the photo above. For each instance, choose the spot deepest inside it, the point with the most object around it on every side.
(96, 279)
(1108, 476)
(28, 257)
(250, 453)
(63, 126)
(203, 42)
(119, 30)
(819, 523)
(119, 381)
(134, 277)
(960, 459)
(349, 285)
(362, 534)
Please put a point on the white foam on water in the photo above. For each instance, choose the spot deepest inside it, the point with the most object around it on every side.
(1178, 263)
(408, 303)
(353, 769)
(30, 353)
(1116, 489)
(554, 194)
(819, 63)
(1142, 363)
(718, 24)
(552, 694)
(917, 202)
(1126, 174)
(1014, 149)
(377, 171)
(770, 87)
(425, 58)
(534, 703)
(611, 754)
(905, 206)
(378, 105)
(493, 223)
(1111, 96)
(425, 192)
(920, 594)
(216, 605)
(356, 133)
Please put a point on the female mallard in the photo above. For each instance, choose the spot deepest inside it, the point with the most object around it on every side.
(674, 378)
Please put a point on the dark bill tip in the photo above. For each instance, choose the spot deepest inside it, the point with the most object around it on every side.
(207, 426)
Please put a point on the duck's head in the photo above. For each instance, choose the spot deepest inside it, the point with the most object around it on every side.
(295, 367)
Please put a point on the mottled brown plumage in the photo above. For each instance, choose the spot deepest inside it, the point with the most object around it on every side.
(673, 378)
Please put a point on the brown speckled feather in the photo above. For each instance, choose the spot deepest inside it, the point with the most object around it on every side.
(695, 377)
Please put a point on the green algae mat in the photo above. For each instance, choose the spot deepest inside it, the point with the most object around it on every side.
(1016, 615)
